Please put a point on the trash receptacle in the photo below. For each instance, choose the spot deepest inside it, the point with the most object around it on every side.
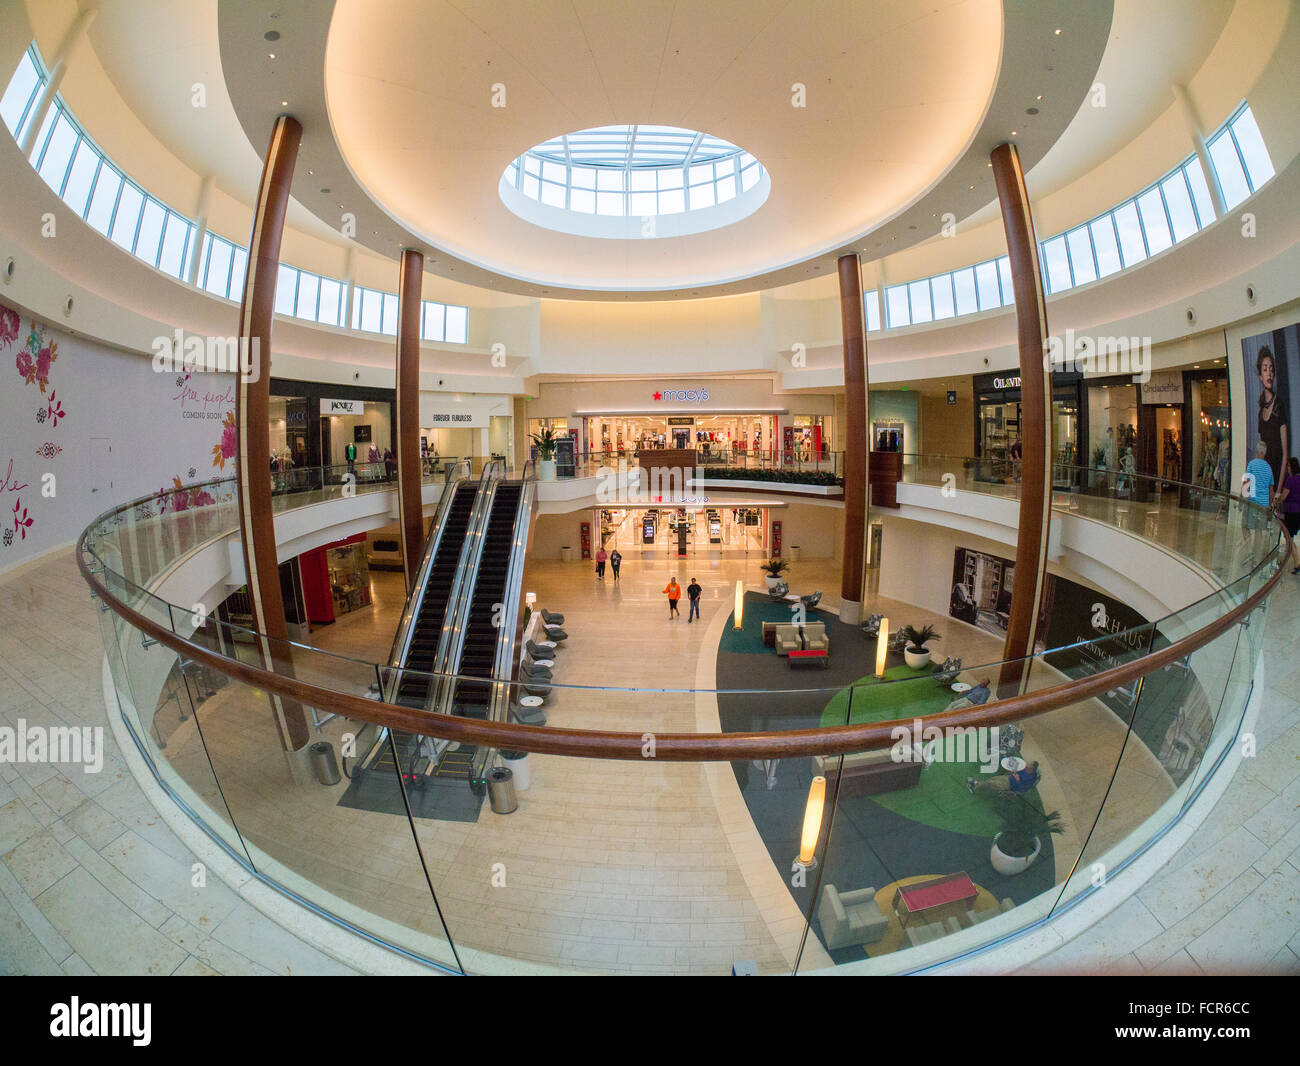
(501, 790)
(566, 554)
(323, 763)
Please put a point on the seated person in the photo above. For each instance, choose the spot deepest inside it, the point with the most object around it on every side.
(974, 698)
(1021, 780)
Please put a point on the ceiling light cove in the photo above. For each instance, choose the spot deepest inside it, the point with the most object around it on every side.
(634, 183)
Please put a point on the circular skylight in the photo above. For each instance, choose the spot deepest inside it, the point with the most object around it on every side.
(632, 182)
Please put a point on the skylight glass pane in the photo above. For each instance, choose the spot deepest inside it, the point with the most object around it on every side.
(171, 259)
(58, 153)
(286, 284)
(19, 94)
(1008, 286)
(670, 179)
(1179, 202)
(873, 310)
(1253, 150)
(1057, 264)
(532, 165)
(532, 187)
(308, 290)
(582, 178)
(51, 116)
(1154, 221)
(701, 174)
(703, 196)
(1081, 255)
(1129, 229)
(725, 166)
(102, 200)
(672, 201)
(1200, 192)
(963, 286)
(583, 200)
(556, 172)
(552, 195)
(128, 216)
(330, 301)
(726, 189)
(896, 306)
(609, 203)
(237, 270)
(644, 203)
(919, 294)
(986, 282)
(218, 268)
(1103, 241)
(610, 181)
(943, 301)
(80, 178)
(390, 314)
(150, 237)
(641, 180)
(434, 321)
(1232, 179)
(457, 324)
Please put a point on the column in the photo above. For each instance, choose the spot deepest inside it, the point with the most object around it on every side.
(200, 229)
(855, 440)
(252, 400)
(410, 505)
(58, 68)
(1035, 413)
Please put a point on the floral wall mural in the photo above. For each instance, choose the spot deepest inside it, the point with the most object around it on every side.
(87, 427)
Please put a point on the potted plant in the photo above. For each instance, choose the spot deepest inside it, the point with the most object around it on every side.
(1019, 844)
(915, 651)
(774, 568)
(544, 442)
(517, 762)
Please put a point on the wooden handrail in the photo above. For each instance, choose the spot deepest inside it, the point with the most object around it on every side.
(672, 747)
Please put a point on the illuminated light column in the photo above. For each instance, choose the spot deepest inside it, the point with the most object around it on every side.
(252, 420)
(1035, 414)
(410, 507)
(856, 494)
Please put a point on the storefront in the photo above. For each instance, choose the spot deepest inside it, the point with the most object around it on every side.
(456, 426)
(998, 422)
(714, 437)
(685, 532)
(312, 425)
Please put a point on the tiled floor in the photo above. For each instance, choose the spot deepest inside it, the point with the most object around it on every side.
(92, 881)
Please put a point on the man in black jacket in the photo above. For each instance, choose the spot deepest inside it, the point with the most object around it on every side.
(693, 591)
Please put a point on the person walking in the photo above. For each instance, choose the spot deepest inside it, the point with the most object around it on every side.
(615, 561)
(1288, 507)
(601, 556)
(674, 593)
(693, 591)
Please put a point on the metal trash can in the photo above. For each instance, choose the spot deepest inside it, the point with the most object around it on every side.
(323, 763)
(501, 790)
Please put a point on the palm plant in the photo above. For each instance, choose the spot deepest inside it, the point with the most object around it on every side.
(775, 567)
(544, 443)
(918, 638)
(1022, 824)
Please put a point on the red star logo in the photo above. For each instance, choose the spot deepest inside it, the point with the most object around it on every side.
(659, 395)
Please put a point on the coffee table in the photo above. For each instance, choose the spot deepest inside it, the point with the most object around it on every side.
(937, 898)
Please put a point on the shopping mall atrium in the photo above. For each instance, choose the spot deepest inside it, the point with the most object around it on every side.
(649, 488)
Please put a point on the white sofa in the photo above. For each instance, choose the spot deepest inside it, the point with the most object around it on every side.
(850, 918)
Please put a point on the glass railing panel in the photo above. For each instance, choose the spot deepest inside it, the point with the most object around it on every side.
(343, 844)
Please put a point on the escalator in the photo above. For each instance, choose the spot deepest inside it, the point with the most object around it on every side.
(426, 632)
(472, 698)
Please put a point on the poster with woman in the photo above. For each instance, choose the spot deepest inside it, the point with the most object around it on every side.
(1271, 365)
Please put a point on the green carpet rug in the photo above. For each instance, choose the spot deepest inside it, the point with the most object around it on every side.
(941, 798)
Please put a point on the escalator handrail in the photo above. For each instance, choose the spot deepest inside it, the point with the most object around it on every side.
(455, 473)
(452, 640)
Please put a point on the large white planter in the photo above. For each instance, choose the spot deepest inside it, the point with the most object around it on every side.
(545, 469)
(1009, 866)
(916, 659)
(523, 771)
(771, 581)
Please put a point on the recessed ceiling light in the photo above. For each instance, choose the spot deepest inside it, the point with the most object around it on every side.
(1040, 97)
(270, 55)
(284, 103)
(1058, 33)
(1013, 133)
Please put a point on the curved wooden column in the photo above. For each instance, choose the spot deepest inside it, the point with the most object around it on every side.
(856, 494)
(410, 507)
(252, 419)
(1035, 413)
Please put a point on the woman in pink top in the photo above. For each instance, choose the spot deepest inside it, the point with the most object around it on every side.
(601, 556)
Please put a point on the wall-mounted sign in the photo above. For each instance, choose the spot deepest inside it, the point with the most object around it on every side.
(681, 421)
(342, 407)
(1007, 383)
(443, 418)
(952, 397)
(1165, 386)
(681, 396)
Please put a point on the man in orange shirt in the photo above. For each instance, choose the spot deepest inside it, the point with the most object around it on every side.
(674, 593)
